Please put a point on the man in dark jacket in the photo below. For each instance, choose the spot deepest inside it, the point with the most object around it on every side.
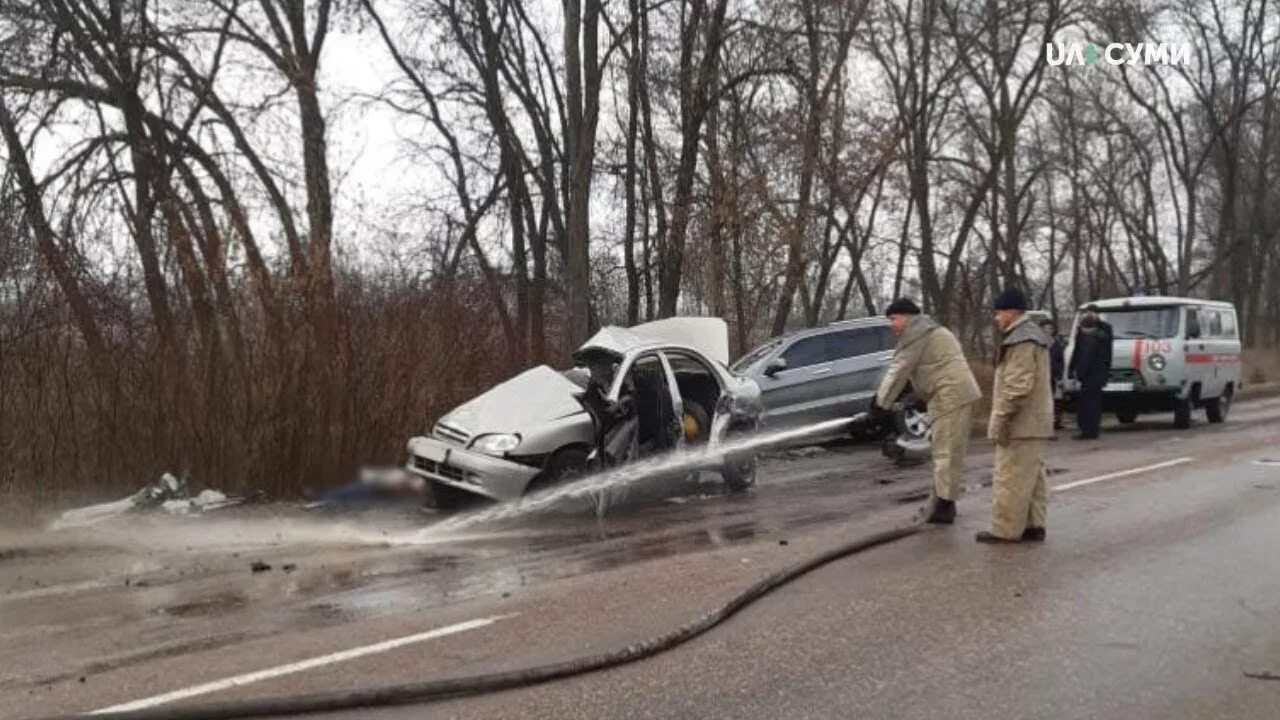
(1057, 364)
(1091, 365)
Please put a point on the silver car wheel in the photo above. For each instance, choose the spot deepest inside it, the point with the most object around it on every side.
(915, 422)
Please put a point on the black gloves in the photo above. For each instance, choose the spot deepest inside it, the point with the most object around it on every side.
(876, 413)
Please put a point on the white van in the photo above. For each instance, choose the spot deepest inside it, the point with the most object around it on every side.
(1169, 354)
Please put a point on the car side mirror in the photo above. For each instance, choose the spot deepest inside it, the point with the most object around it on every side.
(775, 366)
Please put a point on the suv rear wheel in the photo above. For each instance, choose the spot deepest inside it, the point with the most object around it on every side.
(912, 423)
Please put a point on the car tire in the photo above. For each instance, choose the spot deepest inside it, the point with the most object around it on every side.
(739, 471)
(911, 423)
(1182, 414)
(1127, 417)
(1218, 407)
(741, 475)
(564, 465)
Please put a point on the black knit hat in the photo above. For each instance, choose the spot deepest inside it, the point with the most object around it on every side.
(1011, 299)
(902, 306)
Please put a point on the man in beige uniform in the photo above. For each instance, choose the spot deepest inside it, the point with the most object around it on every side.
(1021, 421)
(929, 357)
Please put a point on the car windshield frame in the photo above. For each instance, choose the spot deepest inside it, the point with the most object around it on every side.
(1160, 322)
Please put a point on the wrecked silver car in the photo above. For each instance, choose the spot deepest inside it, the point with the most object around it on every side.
(632, 393)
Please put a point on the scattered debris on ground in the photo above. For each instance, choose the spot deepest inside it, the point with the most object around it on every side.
(259, 566)
(167, 494)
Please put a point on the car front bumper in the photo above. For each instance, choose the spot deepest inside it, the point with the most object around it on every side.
(451, 465)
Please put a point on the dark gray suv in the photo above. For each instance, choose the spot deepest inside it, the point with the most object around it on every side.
(826, 373)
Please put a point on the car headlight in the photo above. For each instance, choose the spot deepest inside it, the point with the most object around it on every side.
(495, 444)
(1157, 362)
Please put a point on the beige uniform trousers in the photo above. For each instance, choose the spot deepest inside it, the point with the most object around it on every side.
(1020, 493)
(949, 442)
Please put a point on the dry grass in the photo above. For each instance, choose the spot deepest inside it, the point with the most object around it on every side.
(73, 432)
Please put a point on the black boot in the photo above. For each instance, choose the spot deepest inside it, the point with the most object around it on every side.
(944, 512)
(1033, 534)
(992, 538)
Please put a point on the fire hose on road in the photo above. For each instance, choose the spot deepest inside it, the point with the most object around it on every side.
(432, 690)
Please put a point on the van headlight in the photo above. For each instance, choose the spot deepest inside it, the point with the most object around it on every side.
(495, 444)
(1157, 362)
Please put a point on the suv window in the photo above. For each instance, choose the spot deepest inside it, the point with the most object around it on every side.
(887, 340)
(805, 352)
(852, 343)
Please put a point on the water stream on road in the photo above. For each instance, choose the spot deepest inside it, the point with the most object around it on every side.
(172, 535)
(598, 485)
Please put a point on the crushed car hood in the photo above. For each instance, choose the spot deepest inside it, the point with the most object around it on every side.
(534, 396)
(708, 335)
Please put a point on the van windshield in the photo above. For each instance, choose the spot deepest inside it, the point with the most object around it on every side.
(1144, 323)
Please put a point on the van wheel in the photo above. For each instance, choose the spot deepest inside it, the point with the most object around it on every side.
(1218, 407)
(1182, 414)
(1127, 417)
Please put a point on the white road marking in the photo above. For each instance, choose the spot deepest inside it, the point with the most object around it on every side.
(1122, 473)
(301, 666)
(55, 590)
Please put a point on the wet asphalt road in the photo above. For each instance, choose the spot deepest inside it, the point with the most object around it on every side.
(1155, 594)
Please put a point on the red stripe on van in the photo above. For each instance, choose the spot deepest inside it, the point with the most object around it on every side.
(1202, 358)
(1137, 355)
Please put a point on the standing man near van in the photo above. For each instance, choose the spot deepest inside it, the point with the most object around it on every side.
(1057, 364)
(1021, 421)
(1091, 365)
(929, 357)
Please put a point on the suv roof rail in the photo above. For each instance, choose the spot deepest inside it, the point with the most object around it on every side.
(869, 320)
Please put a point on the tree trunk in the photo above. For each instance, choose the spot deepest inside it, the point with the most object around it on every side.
(583, 72)
(695, 99)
